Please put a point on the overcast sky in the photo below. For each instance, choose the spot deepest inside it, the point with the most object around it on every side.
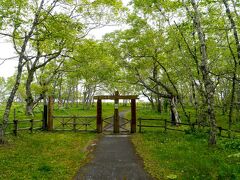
(6, 49)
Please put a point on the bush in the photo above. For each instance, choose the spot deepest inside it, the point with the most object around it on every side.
(231, 144)
(198, 133)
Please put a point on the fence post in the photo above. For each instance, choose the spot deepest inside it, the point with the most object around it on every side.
(45, 116)
(63, 123)
(86, 125)
(165, 125)
(50, 113)
(15, 127)
(116, 125)
(74, 124)
(133, 112)
(99, 116)
(31, 125)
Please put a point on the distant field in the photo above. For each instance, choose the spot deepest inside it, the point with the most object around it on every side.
(78, 110)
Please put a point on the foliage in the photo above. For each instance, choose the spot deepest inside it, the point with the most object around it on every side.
(233, 144)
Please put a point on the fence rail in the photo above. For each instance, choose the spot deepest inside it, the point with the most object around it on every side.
(74, 123)
(17, 126)
(165, 122)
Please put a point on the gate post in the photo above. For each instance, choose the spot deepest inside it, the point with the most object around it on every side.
(44, 117)
(116, 114)
(50, 113)
(133, 114)
(99, 115)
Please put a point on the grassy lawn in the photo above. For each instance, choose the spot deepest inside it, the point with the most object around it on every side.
(44, 155)
(176, 155)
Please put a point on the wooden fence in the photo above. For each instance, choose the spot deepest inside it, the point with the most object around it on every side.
(74, 123)
(167, 125)
(23, 125)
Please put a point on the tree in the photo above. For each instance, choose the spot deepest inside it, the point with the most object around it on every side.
(142, 50)
(35, 24)
(236, 58)
(20, 45)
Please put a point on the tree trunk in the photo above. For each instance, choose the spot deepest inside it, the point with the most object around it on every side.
(60, 103)
(68, 97)
(208, 83)
(29, 98)
(195, 102)
(231, 106)
(20, 66)
(150, 99)
(159, 104)
(174, 112)
(84, 99)
(235, 34)
(13, 92)
(77, 97)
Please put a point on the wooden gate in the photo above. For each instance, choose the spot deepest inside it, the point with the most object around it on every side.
(107, 124)
(116, 119)
(124, 125)
(118, 124)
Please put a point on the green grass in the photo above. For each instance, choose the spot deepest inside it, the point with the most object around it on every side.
(175, 155)
(166, 155)
(44, 155)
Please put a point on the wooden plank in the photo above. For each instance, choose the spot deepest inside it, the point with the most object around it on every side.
(24, 121)
(175, 130)
(116, 97)
(35, 121)
(24, 129)
(77, 117)
(151, 119)
(151, 126)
